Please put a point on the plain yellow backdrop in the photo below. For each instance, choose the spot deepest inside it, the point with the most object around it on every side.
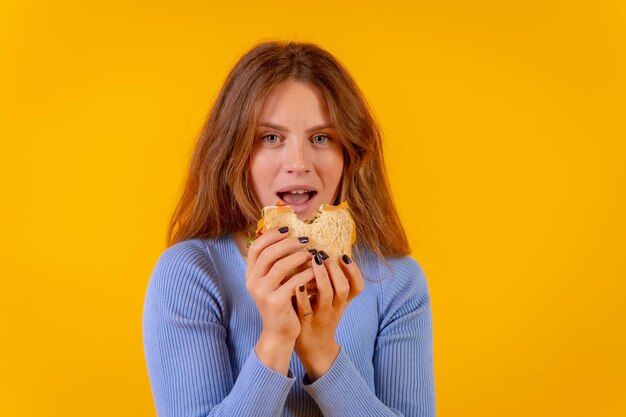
(504, 136)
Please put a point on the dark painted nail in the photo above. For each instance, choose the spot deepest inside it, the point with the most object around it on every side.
(301, 288)
(323, 255)
(303, 239)
(312, 251)
(346, 259)
(318, 259)
(283, 229)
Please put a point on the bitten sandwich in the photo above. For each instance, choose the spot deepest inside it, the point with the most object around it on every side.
(331, 230)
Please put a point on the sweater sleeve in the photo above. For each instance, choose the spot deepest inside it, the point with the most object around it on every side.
(403, 357)
(185, 345)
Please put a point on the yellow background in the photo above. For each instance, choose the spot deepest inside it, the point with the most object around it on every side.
(504, 129)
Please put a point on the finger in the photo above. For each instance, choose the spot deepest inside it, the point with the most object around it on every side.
(353, 274)
(340, 284)
(324, 287)
(270, 254)
(282, 267)
(311, 287)
(305, 312)
(262, 242)
(289, 287)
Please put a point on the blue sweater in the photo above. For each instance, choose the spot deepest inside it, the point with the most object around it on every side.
(200, 326)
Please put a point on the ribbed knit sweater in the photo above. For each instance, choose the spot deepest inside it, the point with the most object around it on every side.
(200, 326)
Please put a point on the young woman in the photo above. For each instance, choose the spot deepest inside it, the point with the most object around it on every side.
(221, 335)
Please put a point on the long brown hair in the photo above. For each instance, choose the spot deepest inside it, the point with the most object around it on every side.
(218, 199)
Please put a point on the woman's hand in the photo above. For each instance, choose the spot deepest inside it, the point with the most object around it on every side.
(269, 259)
(337, 285)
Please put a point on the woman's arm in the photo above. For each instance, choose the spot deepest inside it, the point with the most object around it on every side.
(403, 357)
(185, 345)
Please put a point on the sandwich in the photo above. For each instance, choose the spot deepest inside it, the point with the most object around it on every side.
(332, 230)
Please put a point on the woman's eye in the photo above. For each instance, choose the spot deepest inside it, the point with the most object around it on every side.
(270, 138)
(322, 139)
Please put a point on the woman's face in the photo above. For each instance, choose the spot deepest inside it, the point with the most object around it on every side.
(296, 148)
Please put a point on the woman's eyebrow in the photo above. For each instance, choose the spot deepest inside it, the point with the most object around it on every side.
(284, 129)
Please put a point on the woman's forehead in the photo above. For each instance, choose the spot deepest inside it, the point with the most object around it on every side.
(293, 94)
(295, 105)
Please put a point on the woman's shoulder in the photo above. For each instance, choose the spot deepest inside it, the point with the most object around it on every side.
(183, 255)
(186, 263)
(183, 249)
(194, 251)
(207, 257)
(397, 279)
(184, 278)
(400, 268)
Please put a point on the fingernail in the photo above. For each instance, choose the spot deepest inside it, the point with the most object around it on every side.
(323, 255)
(283, 229)
(346, 259)
(318, 259)
(312, 251)
(301, 288)
(303, 239)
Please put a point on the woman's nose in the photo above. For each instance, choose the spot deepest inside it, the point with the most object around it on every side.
(297, 157)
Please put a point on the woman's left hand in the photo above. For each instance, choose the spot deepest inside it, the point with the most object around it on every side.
(337, 284)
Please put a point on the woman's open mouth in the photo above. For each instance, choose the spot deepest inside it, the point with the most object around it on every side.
(298, 200)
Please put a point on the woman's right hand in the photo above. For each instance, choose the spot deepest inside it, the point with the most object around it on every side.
(270, 257)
